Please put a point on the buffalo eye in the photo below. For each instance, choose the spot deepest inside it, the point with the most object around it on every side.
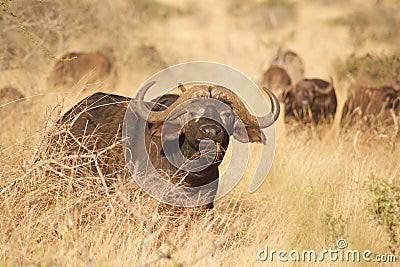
(226, 114)
(195, 113)
(192, 113)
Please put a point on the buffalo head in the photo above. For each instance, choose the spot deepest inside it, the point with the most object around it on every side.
(199, 122)
(310, 100)
(277, 79)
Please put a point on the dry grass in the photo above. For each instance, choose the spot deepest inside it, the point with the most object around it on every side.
(55, 214)
(265, 14)
(372, 69)
(56, 211)
(58, 199)
(377, 22)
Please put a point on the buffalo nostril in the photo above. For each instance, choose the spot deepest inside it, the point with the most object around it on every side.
(204, 130)
(210, 130)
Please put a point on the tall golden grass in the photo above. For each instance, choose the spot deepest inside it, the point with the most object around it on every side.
(323, 186)
(318, 191)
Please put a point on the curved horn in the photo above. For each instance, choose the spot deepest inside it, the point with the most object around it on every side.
(326, 90)
(158, 116)
(247, 118)
(269, 119)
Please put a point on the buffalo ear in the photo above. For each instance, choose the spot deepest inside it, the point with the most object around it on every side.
(249, 134)
(170, 131)
(285, 94)
(389, 100)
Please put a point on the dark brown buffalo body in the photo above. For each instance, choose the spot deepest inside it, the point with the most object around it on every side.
(310, 101)
(276, 79)
(101, 116)
(371, 106)
(9, 94)
(75, 66)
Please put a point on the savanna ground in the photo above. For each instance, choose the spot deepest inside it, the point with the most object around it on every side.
(321, 188)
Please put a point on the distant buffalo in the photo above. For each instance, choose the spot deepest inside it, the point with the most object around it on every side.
(276, 79)
(92, 68)
(11, 104)
(291, 62)
(8, 95)
(310, 101)
(371, 106)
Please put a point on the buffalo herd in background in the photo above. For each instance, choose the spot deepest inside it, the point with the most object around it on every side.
(313, 101)
(307, 101)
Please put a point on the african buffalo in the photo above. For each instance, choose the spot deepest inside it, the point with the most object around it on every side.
(370, 106)
(310, 101)
(9, 95)
(73, 67)
(276, 79)
(291, 62)
(190, 120)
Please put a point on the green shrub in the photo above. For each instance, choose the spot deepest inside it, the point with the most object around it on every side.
(386, 208)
